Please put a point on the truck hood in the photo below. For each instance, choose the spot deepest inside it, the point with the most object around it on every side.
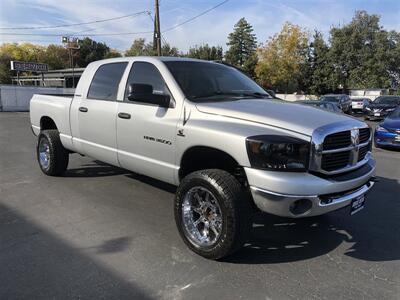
(294, 117)
(391, 123)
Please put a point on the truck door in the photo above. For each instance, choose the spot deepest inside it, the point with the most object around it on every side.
(96, 114)
(146, 132)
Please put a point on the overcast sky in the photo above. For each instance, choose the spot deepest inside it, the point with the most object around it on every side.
(266, 17)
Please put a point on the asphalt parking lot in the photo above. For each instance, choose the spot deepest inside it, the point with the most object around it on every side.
(104, 233)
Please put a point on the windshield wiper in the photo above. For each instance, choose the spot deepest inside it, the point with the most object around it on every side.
(233, 94)
(215, 93)
(255, 95)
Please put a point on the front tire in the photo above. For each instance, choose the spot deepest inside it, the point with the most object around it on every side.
(52, 157)
(212, 213)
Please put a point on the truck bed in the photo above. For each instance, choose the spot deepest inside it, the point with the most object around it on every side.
(55, 107)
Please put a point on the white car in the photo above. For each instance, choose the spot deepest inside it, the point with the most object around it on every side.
(359, 104)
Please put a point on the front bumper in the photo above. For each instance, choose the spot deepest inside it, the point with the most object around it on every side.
(387, 139)
(278, 192)
(371, 115)
(358, 107)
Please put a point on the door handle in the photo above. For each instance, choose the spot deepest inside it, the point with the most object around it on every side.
(124, 115)
(83, 109)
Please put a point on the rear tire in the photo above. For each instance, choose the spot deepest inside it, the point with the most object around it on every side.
(228, 203)
(52, 157)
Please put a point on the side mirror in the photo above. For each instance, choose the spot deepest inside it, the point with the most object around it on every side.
(144, 93)
(272, 93)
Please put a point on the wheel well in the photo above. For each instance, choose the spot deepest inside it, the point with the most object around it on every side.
(200, 158)
(47, 123)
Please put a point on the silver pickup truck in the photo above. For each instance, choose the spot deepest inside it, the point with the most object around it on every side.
(213, 132)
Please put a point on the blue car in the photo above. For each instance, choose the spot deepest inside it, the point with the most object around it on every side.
(387, 133)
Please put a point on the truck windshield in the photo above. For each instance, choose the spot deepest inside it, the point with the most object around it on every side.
(202, 81)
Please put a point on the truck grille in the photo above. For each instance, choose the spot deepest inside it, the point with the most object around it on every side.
(362, 152)
(341, 151)
(364, 135)
(334, 161)
(337, 140)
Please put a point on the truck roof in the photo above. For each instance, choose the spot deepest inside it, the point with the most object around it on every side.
(152, 58)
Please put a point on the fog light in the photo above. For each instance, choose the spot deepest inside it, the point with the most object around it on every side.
(300, 207)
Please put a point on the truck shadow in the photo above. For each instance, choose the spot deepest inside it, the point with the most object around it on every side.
(95, 169)
(372, 235)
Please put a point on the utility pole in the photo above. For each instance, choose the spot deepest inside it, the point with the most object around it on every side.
(71, 44)
(157, 32)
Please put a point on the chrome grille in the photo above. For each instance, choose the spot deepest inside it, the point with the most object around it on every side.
(362, 152)
(339, 148)
(364, 135)
(337, 140)
(334, 161)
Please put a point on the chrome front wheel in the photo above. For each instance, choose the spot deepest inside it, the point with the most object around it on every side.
(212, 213)
(202, 217)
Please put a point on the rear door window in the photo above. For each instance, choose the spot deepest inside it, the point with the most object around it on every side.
(106, 80)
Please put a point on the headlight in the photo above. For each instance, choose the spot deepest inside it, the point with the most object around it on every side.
(278, 153)
(390, 109)
(380, 128)
(367, 108)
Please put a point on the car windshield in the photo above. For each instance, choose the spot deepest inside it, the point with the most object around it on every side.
(331, 98)
(203, 81)
(395, 114)
(387, 100)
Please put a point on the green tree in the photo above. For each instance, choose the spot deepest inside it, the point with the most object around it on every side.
(137, 48)
(168, 50)
(56, 57)
(89, 51)
(320, 67)
(242, 44)
(5, 72)
(360, 53)
(206, 52)
(23, 52)
(113, 53)
(394, 59)
(282, 58)
(140, 47)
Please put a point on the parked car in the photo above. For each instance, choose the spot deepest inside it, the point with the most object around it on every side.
(342, 100)
(217, 135)
(325, 105)
(358, 105)
(387, 133)
(381, 107)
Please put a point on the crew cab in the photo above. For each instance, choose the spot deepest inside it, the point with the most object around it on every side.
(210, 130)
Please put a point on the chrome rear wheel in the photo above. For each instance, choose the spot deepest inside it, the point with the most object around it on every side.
(44, 153)
(51, 155)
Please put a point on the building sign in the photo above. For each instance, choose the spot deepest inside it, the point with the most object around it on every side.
(29, 66)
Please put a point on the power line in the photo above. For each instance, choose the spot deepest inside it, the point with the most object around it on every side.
(119, 33)
(76, 35)
(76, 24)
(197, 16)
